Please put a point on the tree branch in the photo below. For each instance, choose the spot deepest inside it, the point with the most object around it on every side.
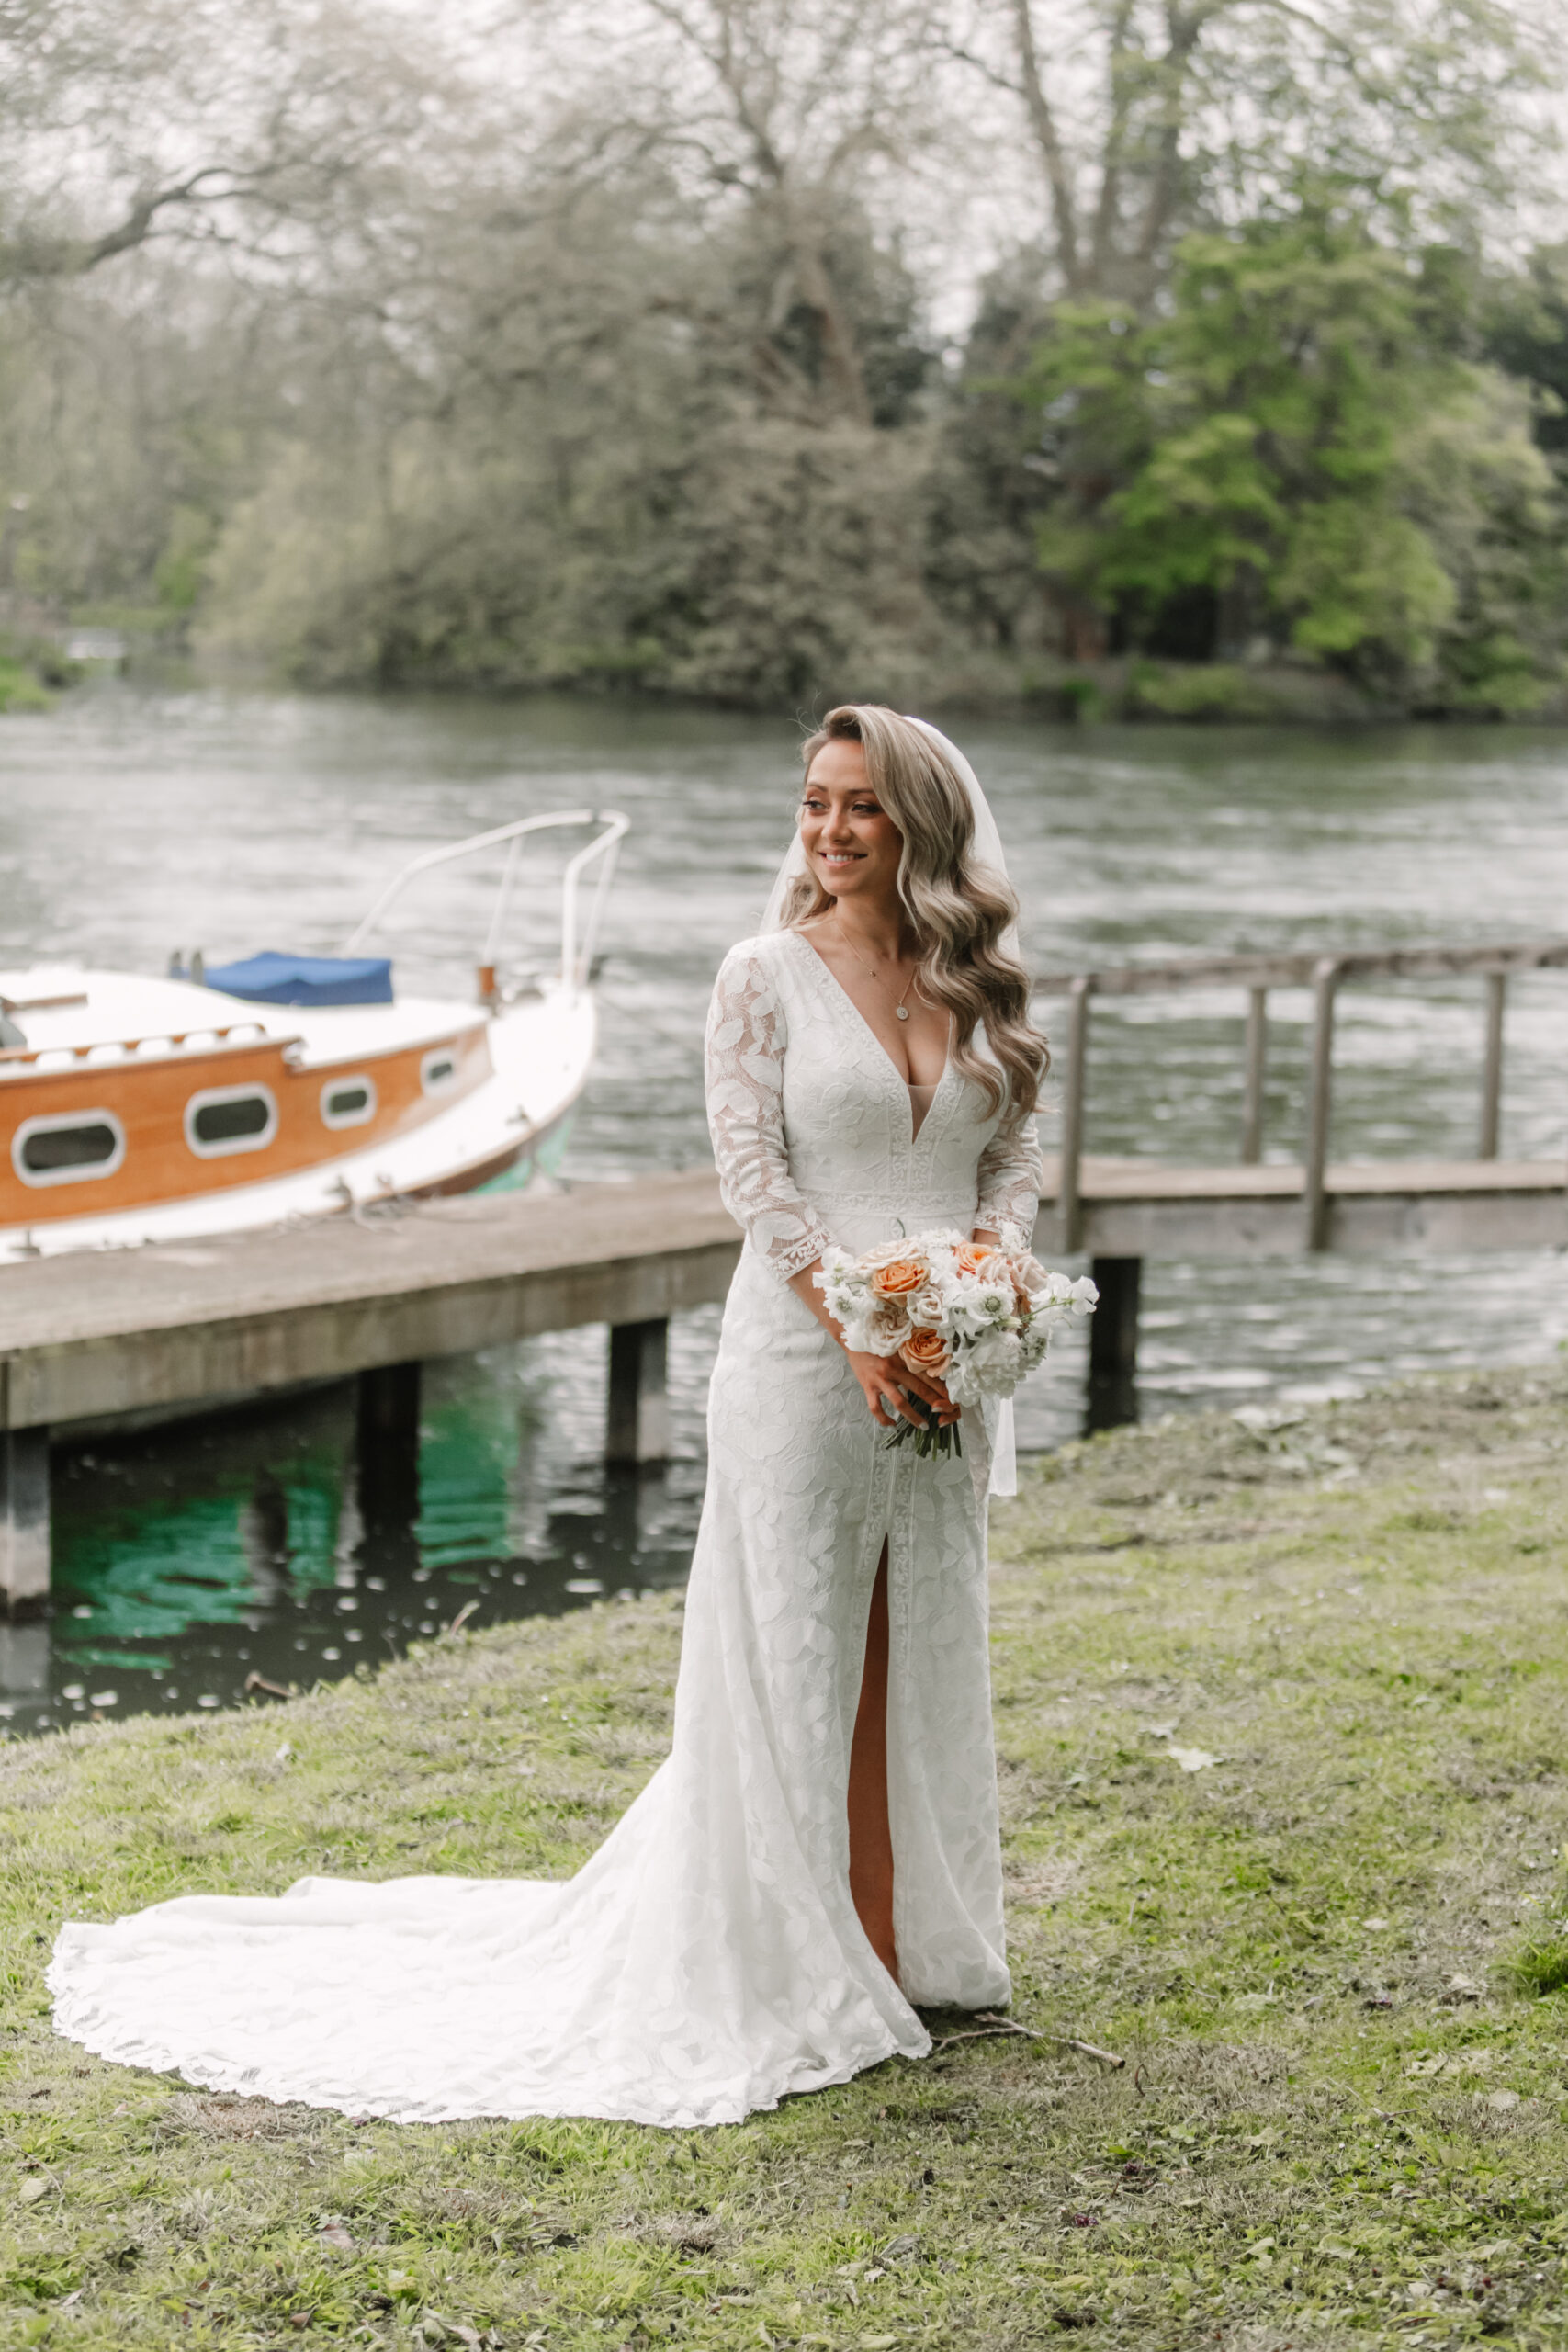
(1107, 211)
(1184, 30)
(75, 256)
(1043, 122)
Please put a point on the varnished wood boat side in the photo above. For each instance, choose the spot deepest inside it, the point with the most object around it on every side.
(149, 1098)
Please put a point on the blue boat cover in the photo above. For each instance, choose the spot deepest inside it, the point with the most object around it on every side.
(272, 978)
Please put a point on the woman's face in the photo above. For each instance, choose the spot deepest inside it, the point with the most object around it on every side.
(851, 845)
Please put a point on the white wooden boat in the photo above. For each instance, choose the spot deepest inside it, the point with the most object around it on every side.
(136, 1109)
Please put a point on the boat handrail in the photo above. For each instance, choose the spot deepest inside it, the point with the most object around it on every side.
(204, 1037)
(577, 962)
(576, 958)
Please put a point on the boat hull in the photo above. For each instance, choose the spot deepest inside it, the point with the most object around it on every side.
(503, 1110)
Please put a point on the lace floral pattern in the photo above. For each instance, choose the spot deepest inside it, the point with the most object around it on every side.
(1007, 1179)
(746, 1040)
(707, 1961)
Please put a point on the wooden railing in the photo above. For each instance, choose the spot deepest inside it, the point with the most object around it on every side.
(124, 1049)
(1256, 974)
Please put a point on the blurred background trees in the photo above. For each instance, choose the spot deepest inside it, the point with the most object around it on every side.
(765, 349)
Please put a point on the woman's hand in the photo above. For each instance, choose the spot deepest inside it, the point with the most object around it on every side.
(879, 1377)
(887, 1380)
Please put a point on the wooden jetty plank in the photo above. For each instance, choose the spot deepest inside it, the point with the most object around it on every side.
(1130, 1208)
(1154, 1179)
(106, 1332)
(1296, 971)
(124, 1330)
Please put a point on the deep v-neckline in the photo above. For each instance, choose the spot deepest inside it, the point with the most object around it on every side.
(903, 1083)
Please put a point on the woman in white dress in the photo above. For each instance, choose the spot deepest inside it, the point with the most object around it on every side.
(819, 1855)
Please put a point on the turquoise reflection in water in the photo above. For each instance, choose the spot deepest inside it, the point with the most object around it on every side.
(211, 1561)
(149, 1567)
(468, 1464)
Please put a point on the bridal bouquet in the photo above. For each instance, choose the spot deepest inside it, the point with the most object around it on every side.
(974, 1317)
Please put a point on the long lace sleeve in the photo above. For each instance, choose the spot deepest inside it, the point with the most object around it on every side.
(746, 1037)
(1009, 1177)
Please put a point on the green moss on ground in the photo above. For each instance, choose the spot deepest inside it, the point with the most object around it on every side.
(1333, 1957)
(21, 688)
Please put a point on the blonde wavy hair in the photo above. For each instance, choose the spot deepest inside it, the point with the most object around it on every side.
(957, 908)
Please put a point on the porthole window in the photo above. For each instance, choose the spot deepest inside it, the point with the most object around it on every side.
(68, 1148)
(348, 1102)
(439, 1070)
(225, 1119)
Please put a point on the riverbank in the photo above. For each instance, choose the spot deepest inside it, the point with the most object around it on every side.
(973, 683)
(1282, 1731)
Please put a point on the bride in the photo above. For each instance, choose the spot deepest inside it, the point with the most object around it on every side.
(819, 1855)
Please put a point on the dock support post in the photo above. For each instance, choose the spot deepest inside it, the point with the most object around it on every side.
(1324, 983)
(1252, 1092)
(23, 1520)
(1492, 1073)
(387, 1445)
(1113, 1325)
(637, 1431)
(1113, 1396)
(1069, 1189)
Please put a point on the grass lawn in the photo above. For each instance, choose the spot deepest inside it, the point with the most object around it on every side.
(1284, 1740)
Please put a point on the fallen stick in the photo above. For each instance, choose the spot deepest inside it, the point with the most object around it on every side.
(992, 2027)
(273, 1690)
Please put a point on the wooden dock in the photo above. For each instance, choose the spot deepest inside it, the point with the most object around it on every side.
(175, 1326)
(1122, 1211)
(371, 1294)
(1143, 1209)
(176, 1323)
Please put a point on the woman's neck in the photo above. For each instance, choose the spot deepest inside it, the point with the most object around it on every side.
(878, 930)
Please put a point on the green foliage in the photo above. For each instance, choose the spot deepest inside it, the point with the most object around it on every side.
(20, 687)
(1196, 690)
(634, 384)
(632, 514)
(1299, 441)
(1526, 334)
(1539, 1966)
(180, 573)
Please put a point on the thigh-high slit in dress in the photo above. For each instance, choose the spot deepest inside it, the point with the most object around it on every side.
(708, 1959)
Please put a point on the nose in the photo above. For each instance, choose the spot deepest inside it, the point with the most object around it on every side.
(835, 824)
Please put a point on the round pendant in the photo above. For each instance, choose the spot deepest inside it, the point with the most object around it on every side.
(902, 1011)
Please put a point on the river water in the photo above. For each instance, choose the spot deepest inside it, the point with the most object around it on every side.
(136, 821)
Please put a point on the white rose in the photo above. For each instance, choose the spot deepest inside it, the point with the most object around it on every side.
(927, 1307)
(995, 1362)
(885, 1329)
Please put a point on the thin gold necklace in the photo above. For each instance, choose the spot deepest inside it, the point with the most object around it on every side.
(900, 1010)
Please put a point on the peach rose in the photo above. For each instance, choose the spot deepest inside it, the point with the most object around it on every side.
(969, 1257)
(926, 1351)
(898, 1278)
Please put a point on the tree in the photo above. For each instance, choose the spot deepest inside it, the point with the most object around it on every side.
(564, 477)
(781, 120)
(1149, 119)
(1526, 333)
(129, 123)
(1298, 451)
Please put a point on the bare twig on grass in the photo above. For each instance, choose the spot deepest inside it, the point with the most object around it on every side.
(992, 2027)
(273, 1690)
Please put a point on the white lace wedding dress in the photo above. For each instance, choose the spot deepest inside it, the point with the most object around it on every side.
(708, 1959)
